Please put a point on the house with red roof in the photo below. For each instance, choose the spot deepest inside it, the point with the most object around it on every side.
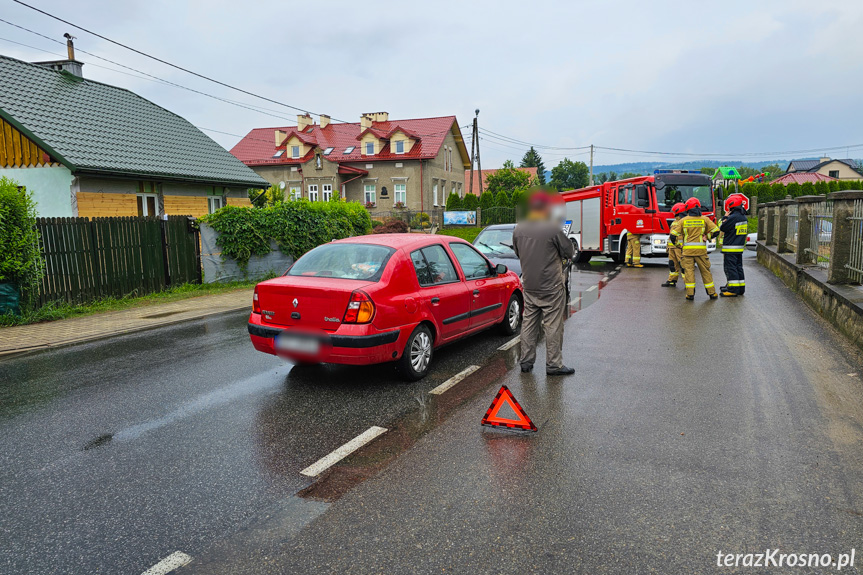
(837, 169)
(802, 178)
(481, 178)
(382, 163)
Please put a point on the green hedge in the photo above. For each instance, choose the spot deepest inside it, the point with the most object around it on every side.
(21, 261)
(296, 227)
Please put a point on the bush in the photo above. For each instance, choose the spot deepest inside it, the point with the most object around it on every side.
(469, 202)
(376, 224)
(764, 193)
(833, 185)
(793, 189)
(821, 188)
(807, 189)
(296, 227)
(420, 221)
(844, 185)
(501, 200)
(392, 226)
(486, 200)
(748, 189)
(778, 192)
(453, 202)
(856, 185)
(21, 260)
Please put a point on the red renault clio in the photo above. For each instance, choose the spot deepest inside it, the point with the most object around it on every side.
(380, 298)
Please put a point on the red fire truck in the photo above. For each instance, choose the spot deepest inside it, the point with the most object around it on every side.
(600, 217)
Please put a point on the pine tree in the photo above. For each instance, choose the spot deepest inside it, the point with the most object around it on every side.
(532, 159)
(486, 200)
(453, 202)
(469, 202)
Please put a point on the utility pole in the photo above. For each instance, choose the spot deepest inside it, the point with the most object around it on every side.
(474, 153)
(591, 164)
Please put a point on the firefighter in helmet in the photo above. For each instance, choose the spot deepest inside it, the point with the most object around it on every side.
(734, 228)
(693, 230)
(674, 250)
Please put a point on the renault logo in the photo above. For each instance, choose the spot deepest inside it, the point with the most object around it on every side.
(295, 302)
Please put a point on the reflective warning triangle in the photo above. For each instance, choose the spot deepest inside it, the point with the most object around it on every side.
(505, 397)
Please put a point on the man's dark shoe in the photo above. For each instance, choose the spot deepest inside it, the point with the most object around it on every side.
(526, 367)
(713, 296)
(563, 370)
(669, 284)
(690, 298)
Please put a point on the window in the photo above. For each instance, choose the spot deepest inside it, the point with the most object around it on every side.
(834, 174)
(624, 195)
(370, 148)
(295, 151)
(279, 154)
(318, 162)
(434, 188)
(350, 149)
(328, 192)
(369, 193)
(294, 193)
(215, 203)
(148, 205)
(445, 160)
(343, 261)
(472, 263)
(433, 266)
(400, 146)
(313, 192)
(328, 151)
(400, 193)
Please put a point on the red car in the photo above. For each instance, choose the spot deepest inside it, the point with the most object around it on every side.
(380, 298)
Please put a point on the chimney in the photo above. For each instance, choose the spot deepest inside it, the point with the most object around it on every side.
(381, 116)
(825, 159)
(325, 121)
(304, 121)
(70, 66)
(366, 121)
(280, 137)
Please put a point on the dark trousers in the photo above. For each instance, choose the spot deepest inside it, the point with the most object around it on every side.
(733, 265)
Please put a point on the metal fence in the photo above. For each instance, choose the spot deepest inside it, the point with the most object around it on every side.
(793, 224)
(498, 215)
(855, 259)
(821, 217)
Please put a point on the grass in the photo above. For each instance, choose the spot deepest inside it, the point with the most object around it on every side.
(62, 310)
(753, 224)
(468, 234)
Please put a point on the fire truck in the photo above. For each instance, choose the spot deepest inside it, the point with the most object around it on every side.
(600, 217)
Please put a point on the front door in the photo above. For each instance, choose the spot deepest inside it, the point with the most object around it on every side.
(484, 287)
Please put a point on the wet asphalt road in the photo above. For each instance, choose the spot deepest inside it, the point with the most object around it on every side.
(120, 452)
(689, 429)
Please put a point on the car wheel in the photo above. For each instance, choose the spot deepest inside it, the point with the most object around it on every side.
(512, 318)
(415, 362)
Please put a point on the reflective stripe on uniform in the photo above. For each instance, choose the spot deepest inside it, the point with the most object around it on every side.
(737, 284)
(708, 286)
(732, 249)
(674, 274)
(694, 246)
(690, 285)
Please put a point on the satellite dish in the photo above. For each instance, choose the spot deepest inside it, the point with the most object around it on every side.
(281, 185)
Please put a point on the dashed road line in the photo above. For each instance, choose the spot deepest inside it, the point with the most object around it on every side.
(169, 563)
(454, 380)
(575, 301)
(591, 288)
(334, 457)
(510, 343)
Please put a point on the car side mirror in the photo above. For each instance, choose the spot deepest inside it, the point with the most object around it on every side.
(500, 269)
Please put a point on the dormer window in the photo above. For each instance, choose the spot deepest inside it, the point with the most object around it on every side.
(400, 146)
(328, 151)
(370, 148)
(279, 154)
(349, 149)
(295, 152)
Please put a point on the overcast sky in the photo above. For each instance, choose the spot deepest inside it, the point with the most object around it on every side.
(688, 76)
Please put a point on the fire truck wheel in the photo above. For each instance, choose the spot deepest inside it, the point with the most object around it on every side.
(580, 256)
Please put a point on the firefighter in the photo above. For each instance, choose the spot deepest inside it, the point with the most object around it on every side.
(734, 228)
(693, 230)
(633, 251)
(674, 250)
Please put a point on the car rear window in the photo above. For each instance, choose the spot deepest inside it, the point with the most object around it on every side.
(343, 261)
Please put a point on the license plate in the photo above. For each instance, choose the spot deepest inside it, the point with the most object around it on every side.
(298, 344)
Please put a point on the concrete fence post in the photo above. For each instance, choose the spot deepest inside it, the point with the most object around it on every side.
(804, 227)
(762, 217)
(782, 225)
(840, 240)
(770, 227)
(753, 206)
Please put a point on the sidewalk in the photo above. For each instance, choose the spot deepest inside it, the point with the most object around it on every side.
(24, 338)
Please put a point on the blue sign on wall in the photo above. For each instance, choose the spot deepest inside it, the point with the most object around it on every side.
(459, 218)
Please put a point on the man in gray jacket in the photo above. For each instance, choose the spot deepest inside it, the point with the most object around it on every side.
(541, 247)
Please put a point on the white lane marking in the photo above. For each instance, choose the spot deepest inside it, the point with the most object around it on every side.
(605, 279)
(168, 564)
(575, 301)
(334, 457)
(510, 343)
(454, 380)
(591, 288)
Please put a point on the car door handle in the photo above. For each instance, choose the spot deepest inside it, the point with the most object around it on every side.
(435, 300)
(476, 292)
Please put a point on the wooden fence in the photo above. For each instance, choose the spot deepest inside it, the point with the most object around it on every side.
(87, 259)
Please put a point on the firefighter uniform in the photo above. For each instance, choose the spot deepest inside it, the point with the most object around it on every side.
(633, 250)
(694, 228)
(735, 227)
(674, 253)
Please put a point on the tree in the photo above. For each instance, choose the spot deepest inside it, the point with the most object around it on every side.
(469, 202)
(748, 189)
(833, 185)
(486, 200)
(821, 188)
(501, 200)
(627, 175)
(792, 189)
(453, 202)
(779, 192)
(763, 191)
(569, 175)
(746, 171)
(775, 171)
(532, 159)
(507, 179)
(808, 189)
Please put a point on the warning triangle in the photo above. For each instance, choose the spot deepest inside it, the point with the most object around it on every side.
(493, 417)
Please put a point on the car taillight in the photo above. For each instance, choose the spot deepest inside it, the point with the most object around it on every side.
(256, 305)
(361, 309)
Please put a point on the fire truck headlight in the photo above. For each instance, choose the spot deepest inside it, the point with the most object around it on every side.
(658, 242)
